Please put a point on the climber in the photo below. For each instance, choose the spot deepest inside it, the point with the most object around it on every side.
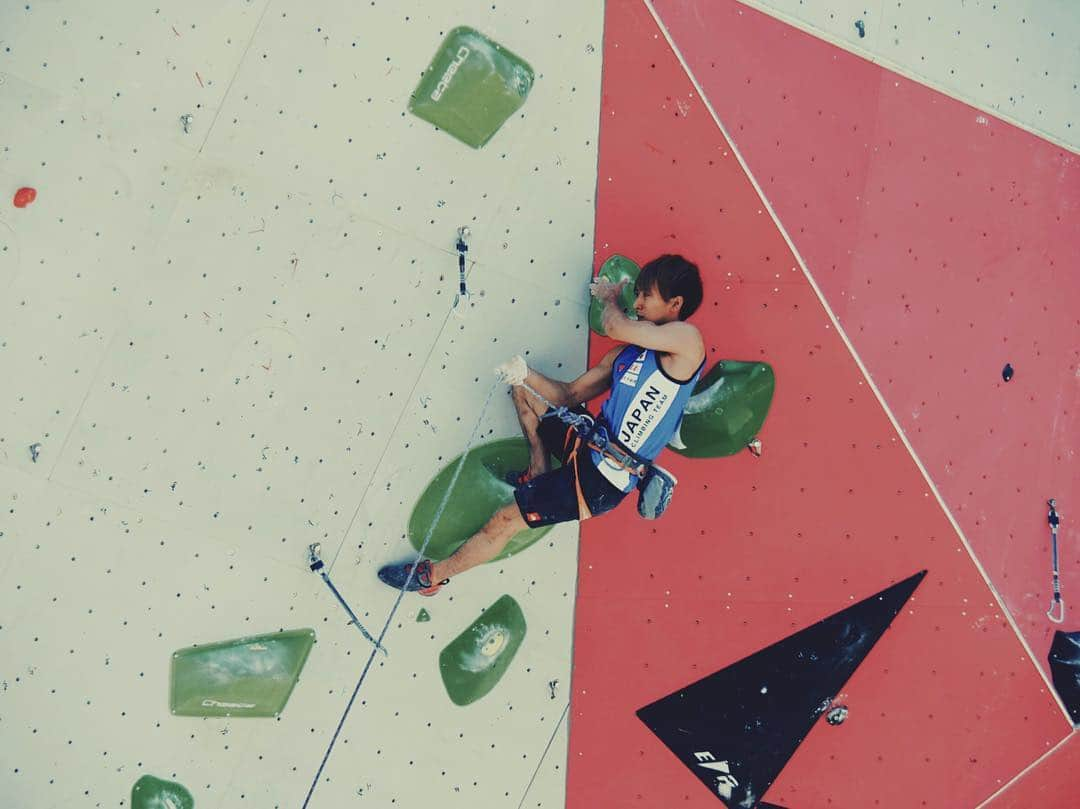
(651, 378)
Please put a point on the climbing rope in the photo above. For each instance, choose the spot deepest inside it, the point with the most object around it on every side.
(401, 593)
(564, 414)
(593, 434)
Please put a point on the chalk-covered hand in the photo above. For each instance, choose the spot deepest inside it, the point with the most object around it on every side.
(513, 371)
(607, 291)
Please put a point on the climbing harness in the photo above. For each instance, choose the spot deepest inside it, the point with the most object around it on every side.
(1056, 613)
(317, 566)
(593, 433)
(462, 245)
(656, 486)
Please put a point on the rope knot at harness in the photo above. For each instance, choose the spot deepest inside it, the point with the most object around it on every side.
(594, 434)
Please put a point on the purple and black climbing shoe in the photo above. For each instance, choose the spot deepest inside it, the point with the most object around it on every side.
(398, 575)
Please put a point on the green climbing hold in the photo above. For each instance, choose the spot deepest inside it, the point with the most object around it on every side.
(473, 663)
(480, 491)
(471, 87)
(615, 269)
(154, 793)
(726, 410)
(251, 676)
(423, 616)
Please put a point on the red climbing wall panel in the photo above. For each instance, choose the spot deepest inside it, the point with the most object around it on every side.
(1052, 782)
(946, 243)
(947, 704)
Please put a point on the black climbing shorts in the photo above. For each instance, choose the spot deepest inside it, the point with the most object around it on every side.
(553, 497)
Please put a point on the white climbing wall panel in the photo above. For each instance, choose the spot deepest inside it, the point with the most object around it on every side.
(229, 342)
(1018, 59)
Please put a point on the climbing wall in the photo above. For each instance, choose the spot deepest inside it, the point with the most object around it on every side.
(231, 326)
(945, 259)
(1017, 61)
(227, 328)
(937, 239)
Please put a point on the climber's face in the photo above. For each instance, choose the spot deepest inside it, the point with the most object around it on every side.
(651, 306)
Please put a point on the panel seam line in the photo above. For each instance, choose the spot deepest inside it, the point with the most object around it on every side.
(858, 361)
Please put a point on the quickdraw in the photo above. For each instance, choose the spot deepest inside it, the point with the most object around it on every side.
(1056, 613)
(317, 565)
(461, 300)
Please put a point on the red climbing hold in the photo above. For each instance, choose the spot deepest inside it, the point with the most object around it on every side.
(24, 196)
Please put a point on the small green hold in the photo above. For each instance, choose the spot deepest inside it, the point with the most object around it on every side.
(155, 793)
(615, 269)
(473, 663)
(422, 616)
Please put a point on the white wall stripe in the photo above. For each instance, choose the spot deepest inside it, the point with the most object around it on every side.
(854, 354)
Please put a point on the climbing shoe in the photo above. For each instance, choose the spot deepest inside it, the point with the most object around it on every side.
(397, 576)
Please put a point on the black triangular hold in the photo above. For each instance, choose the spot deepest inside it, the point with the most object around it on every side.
(1065, 669)
(736, 729)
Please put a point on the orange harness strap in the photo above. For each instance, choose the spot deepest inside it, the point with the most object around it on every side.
(584, 512)
(633, 470)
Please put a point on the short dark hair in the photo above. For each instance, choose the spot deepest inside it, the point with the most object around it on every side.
(673, 276)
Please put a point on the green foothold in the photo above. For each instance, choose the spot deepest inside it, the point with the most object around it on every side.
(154, 793)
(615, 269)
(422, 617)
(251, 676)
(480, 491)
(726, 410)
(473, 663)
(471, 87)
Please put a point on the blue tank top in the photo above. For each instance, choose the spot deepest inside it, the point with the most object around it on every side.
(644, 409)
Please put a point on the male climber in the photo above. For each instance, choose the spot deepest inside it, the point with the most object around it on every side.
(651, 379)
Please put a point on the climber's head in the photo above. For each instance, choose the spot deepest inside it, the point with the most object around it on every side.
(668, 288)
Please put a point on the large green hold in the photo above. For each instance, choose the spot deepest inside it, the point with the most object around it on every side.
(480, 491)
(251, 676)
(471, 87)
(726, 410)
(473, 663)
(154, 793)
(615, 269)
